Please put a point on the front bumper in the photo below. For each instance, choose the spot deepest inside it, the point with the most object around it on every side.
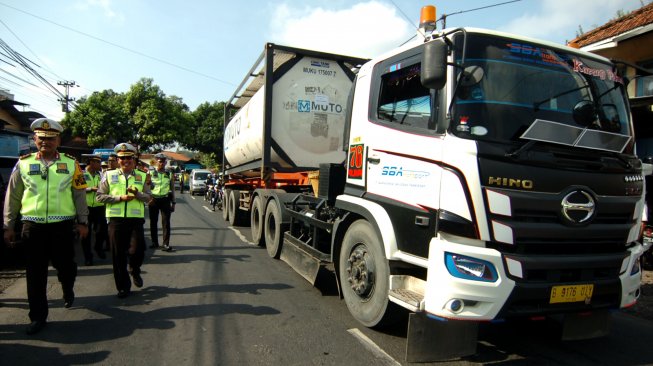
(524, 283)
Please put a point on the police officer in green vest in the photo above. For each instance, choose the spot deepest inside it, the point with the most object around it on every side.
(97, 221)
(48, 190)
(124, 191)
(163, 200)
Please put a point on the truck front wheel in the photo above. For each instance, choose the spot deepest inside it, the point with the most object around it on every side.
(364, 276)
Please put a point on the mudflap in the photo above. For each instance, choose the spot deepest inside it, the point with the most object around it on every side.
(586, 326)
(431, 340)
(299, 259)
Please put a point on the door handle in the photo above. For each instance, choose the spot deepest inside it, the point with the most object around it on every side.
(373, 160)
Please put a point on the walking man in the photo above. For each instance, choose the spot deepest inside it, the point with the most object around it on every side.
(163, 200)
(124, 192)
(48, 189)
(97, 222)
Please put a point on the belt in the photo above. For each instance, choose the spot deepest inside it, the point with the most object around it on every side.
(165, 196)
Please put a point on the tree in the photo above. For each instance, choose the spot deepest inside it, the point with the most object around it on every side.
(206, 137)
(99, 118)
(157, 120)
(144, 116)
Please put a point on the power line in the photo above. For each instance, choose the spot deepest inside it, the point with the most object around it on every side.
(29, 49)
(444, 17)
(18, 58)
(121, 47)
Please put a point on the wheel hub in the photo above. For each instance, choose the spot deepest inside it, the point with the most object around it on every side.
(360, 269)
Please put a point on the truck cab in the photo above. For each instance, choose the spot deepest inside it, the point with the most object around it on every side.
(505, 186)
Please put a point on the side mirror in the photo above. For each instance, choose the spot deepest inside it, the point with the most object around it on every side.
(584, 113)
(434, 64)
(472, 75)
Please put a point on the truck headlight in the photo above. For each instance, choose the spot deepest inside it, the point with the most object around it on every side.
(469, 268)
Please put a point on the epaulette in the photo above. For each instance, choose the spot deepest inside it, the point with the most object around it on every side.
(25, 156)
(142, 170)
(108, 170)
(70, 156)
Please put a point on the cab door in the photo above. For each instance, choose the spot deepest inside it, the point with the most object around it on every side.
(403, 151)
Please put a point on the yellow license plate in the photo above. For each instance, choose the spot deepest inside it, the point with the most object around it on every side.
(571, 293)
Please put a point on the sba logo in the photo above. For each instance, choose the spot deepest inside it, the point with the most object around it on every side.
(303, 105)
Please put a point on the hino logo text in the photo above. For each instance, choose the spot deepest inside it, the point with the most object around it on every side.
(511, 182)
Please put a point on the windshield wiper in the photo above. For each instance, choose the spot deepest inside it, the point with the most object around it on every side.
(536, 105)
(521, 149)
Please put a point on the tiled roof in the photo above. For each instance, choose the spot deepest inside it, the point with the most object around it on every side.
(638, 18)
(176, 156)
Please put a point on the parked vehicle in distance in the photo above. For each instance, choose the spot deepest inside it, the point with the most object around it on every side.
(198, 179)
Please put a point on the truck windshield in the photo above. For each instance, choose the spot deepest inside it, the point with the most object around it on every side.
(507, 86)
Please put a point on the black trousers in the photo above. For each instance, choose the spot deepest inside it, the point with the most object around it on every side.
(127, 240)
(160, 205)
(97, 224)
(44, 243)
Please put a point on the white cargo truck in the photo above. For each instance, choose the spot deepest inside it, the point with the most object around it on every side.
(468, 176)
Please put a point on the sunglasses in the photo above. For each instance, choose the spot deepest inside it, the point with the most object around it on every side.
(125, 157)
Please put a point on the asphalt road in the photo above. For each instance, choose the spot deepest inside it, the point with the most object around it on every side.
(220, 300)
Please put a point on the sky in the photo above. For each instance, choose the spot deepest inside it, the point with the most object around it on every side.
(201, 50)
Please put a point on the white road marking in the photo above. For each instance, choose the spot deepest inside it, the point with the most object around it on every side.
(241, 236)
(378, 353)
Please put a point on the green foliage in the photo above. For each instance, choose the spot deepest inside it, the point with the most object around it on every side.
(211, 160)
(146, 116)
(208, 130)
(99, 117)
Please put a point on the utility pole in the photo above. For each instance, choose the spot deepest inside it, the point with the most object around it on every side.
(66, 99)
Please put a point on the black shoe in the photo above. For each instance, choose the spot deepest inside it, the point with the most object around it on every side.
(123, 293)
(154, 246)
(167, 248)
(35, 327)
(68, 298)
(138, 280)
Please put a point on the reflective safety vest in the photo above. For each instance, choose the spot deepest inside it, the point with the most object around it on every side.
(48, 195)
(160, 183)
(92, 181)
(118, 185)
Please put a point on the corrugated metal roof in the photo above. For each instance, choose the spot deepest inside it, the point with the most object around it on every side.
(636, 19)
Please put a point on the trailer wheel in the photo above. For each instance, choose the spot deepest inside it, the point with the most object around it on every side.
(235, 214)
(365, 276)
(225, 205)
(273, 231)
(257, 220)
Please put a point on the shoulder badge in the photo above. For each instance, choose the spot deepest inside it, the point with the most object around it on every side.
(70, 156)
(26, 156)
(142, 170)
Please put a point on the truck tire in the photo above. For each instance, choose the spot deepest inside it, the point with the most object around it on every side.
(273, 230)
(235, 214)
(225, 205)
(365, 276)
(256, 216)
